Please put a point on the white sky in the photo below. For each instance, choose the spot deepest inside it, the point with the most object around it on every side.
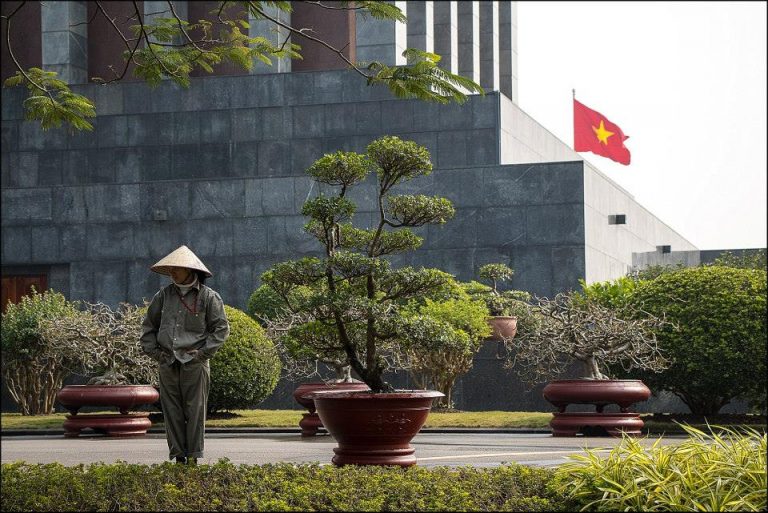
(686, 81)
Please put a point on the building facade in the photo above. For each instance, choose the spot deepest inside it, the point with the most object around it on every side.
(221, 166)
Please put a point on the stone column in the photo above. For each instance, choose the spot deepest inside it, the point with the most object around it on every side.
(446, 35)
(469, 39)
(65, 40)
(508, 49)
(489, 46)
(381, 40)
(421, 26)
(275, 34)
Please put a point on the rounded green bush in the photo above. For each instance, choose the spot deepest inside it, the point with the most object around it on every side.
(719, 350)
(246, 368)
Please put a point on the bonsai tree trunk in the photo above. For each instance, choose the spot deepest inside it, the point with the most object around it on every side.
(591, 369)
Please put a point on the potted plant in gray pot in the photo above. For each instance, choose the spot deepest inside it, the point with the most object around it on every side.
(357, 312)
(572, 330)
(104, 343)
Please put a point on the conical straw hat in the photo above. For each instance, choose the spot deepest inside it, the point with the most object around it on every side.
(180, 257)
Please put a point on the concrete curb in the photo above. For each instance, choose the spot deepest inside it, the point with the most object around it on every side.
(250, 430)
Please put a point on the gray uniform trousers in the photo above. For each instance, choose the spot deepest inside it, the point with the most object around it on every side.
(184, 397)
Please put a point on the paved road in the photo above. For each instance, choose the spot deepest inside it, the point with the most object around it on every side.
(432, 449)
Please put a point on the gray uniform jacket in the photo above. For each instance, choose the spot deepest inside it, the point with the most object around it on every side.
(170, 329)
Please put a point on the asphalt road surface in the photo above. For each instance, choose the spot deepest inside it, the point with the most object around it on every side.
(432, 449)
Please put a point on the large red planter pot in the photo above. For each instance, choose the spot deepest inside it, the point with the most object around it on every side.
(599, 392)
(311, 422)
(502, 327)
(374, 429)
(124, 397)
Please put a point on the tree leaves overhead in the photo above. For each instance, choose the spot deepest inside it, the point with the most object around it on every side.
(51, 101)
(172, 48)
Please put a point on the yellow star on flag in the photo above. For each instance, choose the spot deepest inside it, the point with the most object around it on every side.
(602, 134)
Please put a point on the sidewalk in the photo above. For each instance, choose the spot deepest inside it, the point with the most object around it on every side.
(258, 430)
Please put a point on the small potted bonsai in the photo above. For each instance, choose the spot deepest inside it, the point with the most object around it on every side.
(104, 343)
(502, 305)
(356, 310)
(574, 328)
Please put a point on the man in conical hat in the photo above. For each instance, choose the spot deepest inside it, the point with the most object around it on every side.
(184, 326)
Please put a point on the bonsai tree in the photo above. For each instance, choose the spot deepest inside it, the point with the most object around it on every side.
(103, 343)
(719, 350)
(355, 312)
(499, 303)
(267, 306)
(33, 370)
(574, 328)
(440, 362)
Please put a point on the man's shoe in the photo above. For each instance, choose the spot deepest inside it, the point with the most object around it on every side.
(192, 461)
(181, 459)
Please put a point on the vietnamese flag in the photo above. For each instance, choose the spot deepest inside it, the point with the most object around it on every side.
(593, 132)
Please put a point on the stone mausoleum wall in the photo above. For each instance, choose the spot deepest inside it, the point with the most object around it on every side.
(220, 167)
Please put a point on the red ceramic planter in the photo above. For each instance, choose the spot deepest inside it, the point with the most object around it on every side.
(599, 392)
(124, 397)
(374, 429)
(114, 424)
(502, 327)
(310, 422)
(614, 424)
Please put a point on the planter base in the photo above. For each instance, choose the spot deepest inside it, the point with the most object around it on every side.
(310, 423)
(614, 424)
(345, 455)
(115, 424)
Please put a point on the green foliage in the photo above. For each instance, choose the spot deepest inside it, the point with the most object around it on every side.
(21, 330)
(355, 312)
(748, 260)
(246, 368)
(172, 48)
(422, 78)
(51, 101)
(719, 348)
(223, 486)
(505, 303)
(495, 273)
(340, 169)
(33, 371)
(707, 472)
(454, 332)
(610, 294)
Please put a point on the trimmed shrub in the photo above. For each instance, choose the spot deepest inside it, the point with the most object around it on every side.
(246, 368)
(32, 369)
(718, 348)
(280, 487)
(707, 472)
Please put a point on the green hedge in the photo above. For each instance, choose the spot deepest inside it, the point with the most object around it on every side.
(281, 487)
(245, 370)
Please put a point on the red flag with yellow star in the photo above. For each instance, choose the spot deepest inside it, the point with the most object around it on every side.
(593, 132)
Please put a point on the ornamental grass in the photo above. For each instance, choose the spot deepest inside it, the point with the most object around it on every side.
(722, 470)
